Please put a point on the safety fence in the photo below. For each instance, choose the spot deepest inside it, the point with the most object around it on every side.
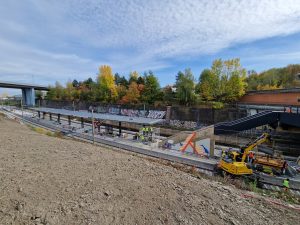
(200, 115)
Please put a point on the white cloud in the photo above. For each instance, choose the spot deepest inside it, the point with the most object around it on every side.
(61, 39)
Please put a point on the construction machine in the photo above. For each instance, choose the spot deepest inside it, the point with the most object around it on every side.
(234, 162)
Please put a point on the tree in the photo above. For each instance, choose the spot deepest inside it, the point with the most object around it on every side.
(69, 92)
(133, 77)
(185, 87)
(75, 83)
(168, 95)
(106, 85)
(234, 80)
(224, 82)
(151, 89)
(132, 95)
(275, 78)
(56, 92)
(122, 90)
(207, 85)
(140, 80)
(120, 80)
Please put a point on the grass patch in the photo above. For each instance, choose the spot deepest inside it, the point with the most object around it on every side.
(46, 132)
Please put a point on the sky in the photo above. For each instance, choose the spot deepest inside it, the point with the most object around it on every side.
(43, 41)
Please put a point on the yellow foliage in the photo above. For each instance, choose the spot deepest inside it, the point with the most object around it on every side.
(268, 87)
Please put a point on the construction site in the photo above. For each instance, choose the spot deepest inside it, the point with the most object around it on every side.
(109, 165)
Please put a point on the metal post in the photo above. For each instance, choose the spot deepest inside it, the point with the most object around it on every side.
(82, 122)
(22, 107)
(120, 129)
(212, 147)
(93, 128)
(50, 116)
(69, 120)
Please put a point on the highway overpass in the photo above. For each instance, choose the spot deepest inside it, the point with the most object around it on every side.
(28, 90)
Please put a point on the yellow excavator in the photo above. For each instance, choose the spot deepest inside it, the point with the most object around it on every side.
(234, 161)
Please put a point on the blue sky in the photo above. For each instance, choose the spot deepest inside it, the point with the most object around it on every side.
(43, 41)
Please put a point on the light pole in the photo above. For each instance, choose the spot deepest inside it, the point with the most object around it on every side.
(93, 128)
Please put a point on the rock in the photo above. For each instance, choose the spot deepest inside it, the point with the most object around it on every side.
(19, 206)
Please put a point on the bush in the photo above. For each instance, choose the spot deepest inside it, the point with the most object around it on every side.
(217, 105)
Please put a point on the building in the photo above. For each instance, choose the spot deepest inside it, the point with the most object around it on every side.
(279, 97)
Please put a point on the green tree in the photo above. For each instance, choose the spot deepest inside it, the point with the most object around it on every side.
(38, 95)
(224, 82)
(151, 90)
(234, 80)
(120, 80)
(207, 85)
(56, 92)
(168, 95)
(69, 92)
(275, 78)
(185, 87)
(75, 83)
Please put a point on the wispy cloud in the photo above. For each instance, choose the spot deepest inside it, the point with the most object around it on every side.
(57, 40)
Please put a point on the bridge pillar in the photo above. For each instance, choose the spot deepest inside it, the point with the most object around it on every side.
(28, 96)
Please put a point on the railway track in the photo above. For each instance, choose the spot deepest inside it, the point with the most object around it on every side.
(207, 168)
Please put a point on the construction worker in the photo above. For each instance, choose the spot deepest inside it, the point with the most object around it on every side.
(223, 154)
(250, 157)
(284, 167)
(142, 138)
(144, 130)
(286, 184)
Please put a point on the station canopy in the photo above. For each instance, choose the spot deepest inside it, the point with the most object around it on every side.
(100, 116)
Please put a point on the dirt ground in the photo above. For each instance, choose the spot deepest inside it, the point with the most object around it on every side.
(48, 180)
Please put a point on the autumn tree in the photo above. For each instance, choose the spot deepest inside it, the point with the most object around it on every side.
(70, 92)
(132, 94)
(133, 77)
(106, 85)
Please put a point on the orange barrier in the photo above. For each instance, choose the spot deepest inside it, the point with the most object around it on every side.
(189, 141)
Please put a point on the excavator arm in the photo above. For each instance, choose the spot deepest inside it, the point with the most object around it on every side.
(261, 139)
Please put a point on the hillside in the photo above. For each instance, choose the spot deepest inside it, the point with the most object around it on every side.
(275, 78)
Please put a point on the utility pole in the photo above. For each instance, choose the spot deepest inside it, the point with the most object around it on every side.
(93, 128)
